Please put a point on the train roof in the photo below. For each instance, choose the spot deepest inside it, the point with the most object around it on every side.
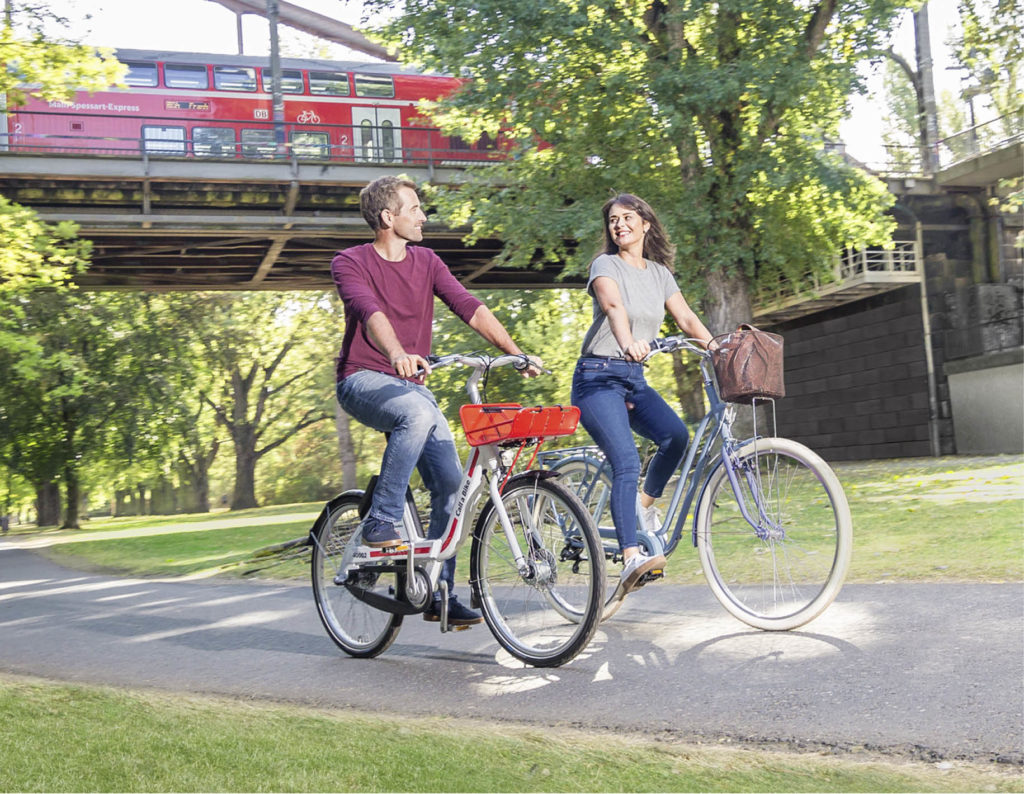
(263, 61)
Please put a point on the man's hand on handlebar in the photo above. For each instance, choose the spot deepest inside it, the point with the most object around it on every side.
(410, 365)
(531, 367)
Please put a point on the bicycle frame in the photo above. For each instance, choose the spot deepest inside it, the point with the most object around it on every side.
(713, 440)
(428, 556)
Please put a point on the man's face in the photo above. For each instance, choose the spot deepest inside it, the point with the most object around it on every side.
(408, 222)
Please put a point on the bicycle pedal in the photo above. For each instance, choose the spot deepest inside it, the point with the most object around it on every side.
(651, 576)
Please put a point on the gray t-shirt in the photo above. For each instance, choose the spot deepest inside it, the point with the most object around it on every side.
(644, 293)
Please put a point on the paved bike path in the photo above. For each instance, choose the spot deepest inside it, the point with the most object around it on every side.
(932, 670)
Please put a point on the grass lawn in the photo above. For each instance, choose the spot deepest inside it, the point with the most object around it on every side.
(953, 519)
(947, 519)
(77, 738)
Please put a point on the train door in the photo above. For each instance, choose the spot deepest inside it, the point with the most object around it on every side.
(378, 134)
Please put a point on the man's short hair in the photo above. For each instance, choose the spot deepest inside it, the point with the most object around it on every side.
(381, 194)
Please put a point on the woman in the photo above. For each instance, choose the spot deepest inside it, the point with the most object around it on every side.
(632, 286)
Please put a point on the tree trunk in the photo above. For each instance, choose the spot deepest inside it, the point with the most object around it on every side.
(728, 302)
(689, 387)
(71, 498)
(47, 504)
(245, 479)
(346, 449)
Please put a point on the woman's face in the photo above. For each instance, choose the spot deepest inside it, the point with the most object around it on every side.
(626, 227)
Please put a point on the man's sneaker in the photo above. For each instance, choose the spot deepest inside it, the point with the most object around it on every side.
(458, 613)
(636, 568)
(380, 534)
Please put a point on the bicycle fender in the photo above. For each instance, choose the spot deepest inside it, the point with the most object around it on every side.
(329, 508)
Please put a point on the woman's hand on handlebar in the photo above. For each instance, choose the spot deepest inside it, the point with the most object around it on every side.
(638, 350)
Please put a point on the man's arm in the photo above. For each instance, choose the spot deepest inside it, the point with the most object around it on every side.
(490, 328)
(382, 334)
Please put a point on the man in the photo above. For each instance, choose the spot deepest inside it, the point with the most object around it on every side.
(388, 288)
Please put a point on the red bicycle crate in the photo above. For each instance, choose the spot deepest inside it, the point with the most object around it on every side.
(492, 422)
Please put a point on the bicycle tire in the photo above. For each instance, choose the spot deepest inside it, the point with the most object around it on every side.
(789, 577)
(356, 627)
(526, 613)
(587, 478)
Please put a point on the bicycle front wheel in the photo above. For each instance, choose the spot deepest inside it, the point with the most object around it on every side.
(356, 627)
(785, 571)
(527, 610)
(588, 478)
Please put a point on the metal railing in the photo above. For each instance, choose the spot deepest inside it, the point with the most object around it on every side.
(981, 139)
(851, 266)
(160, 136)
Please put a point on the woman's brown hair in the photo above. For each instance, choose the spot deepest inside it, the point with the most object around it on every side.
(657, 247)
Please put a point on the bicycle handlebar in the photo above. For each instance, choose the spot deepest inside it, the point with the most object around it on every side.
(669, 343)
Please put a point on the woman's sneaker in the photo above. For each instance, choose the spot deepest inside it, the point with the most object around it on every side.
(650, 519)
(639, 569)
(380, 534)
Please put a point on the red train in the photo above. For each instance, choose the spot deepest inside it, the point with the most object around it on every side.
(201, 105)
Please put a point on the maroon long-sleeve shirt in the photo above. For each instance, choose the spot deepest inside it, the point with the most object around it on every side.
(404, 291)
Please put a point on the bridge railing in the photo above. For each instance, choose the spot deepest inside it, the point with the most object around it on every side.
(918, 161)
(41, 133)
(850, 267)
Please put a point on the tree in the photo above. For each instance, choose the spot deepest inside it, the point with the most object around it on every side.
(716, 113)
(37, 64)
(32, 253)
(991, 50)
(269, 376)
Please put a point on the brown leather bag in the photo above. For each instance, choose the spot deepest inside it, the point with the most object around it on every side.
(748, 364)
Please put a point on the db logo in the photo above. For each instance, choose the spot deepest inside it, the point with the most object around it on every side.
(260, 113)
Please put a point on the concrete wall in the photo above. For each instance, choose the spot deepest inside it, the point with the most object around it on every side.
(986, 394)
(857, 381)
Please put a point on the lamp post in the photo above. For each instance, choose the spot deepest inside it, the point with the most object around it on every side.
(277, 96)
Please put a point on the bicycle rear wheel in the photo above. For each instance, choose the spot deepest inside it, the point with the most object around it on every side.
(527, 611)
(356, 627)
(788, 570)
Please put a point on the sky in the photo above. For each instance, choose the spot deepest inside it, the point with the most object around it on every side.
(205, 26)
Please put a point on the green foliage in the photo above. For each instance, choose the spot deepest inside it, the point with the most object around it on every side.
(715, 113)
(991, 50)
(51, 70)
(35, 254)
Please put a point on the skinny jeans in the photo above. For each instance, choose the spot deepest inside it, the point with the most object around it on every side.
(615, 401)
(418, 438)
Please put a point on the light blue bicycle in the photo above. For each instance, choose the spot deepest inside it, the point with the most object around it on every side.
(770, 520)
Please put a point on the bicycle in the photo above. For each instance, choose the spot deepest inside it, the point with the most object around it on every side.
(770, 521)
(533, 544)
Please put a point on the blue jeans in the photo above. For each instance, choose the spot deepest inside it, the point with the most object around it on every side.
(615, 401)
(419, 439)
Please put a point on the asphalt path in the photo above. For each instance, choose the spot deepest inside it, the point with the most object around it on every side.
(931, 671)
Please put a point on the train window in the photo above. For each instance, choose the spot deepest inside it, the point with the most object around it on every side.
(234, 78)
(258, 143)
(291, 81)
(329, 83)
(141, 74)
(163, 140)
(311, 144)
(375, 85)
(387, 141)
(213, 141)
(185, 75)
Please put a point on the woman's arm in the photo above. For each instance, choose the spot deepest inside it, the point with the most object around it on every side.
(687, 320)
(606, 292)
